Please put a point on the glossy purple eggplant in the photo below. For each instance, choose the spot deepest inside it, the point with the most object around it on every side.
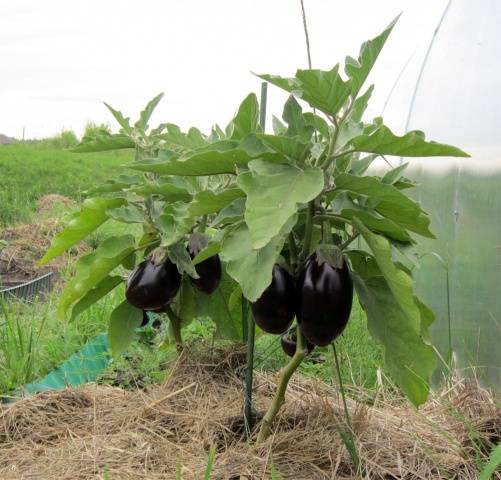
(209, 271)
(288, 342)
(274, 310)
(150, 286)
(146, 319)
(325, 296)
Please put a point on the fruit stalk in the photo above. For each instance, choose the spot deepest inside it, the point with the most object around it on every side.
(279, 398)
(175, 323)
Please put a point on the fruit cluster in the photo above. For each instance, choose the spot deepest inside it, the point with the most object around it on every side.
(154, 283)
(320, 298)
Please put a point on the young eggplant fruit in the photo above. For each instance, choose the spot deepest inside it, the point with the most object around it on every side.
(209, 271)
(288, 342)
(151, 286)
(274, 310)
(325, 296)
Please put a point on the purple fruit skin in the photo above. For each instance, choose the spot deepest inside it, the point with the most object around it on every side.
(209, 272)
(325, 296)
(274, 310)
(151, 287)
(289, 345)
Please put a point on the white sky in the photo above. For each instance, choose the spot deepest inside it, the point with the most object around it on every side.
(61, 59)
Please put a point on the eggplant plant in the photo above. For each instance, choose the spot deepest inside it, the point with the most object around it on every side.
(291, 220)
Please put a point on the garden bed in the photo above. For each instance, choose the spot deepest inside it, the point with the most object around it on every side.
(96, 430)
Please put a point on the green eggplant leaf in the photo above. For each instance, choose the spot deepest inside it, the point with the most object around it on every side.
(174, 223)
(144, 116)
(360, 105)
(413, 144)
(93, 268)
(179, 255)
(399, 282)
(123, 182)
(207, 201)
(297, 124)
(343, 206)
(409, 359)
(358, 70)
(393, 176)
(290, 147)
(95, 294)
(189, 141)
(273, 194)
(231, 213)
(246, 120)
(127, 214)
(121, 330)
(252, 268)
(388, 201)
(122, 121)
(168, 190)
(78, 225)
(101, 143)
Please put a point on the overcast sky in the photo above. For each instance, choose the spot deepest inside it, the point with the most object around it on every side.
(61, 59)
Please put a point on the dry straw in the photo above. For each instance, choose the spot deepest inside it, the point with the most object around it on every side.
(99, 432)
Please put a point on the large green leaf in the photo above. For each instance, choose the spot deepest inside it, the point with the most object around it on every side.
(413, 144)
(290, 147)
(358, 70)
(399, 282)
(207, 201)
(297, 124)
(101, 143)
(246, 120)
(191, 140)
(79, 225)
(99, 291)
(121, 330)
(346, 208)
(93, 268)
(324, 89)
(174, 223)
(122, 121)
(127, 214)
(250, 267)
(169, 191)
(408, 358)
(388, 201)
(273, 193)
(231, 213)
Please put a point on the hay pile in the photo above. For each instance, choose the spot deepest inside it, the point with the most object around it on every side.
(21, 246)
(101, 432)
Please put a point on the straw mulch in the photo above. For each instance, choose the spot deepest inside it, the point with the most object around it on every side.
(99, 432)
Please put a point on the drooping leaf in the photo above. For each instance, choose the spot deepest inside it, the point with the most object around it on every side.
(127, 214)
(93, 268)
(101, 143)
(207, 201)
(408, 358)
(287, 84)
(250, 267)
(144, 116)
(95, 294)
(358, 70)
(273, 194)
(399, 282)
(413, 144)
(388, 201)
(92, 215)
(246, 120)
(180, 256)
(121, 330)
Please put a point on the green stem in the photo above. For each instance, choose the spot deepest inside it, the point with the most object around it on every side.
(279, 398)
(175, 323)
(349, 240)
(308, 231)
(331, 216)
(249, 371)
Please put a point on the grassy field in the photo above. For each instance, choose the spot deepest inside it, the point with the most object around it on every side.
(30, 170)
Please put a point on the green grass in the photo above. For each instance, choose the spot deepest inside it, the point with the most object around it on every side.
(31, 170)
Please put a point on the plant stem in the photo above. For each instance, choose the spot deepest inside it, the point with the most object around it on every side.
(249, 416)
(349, 240)
(175, 323)
(308, 231)
(331, 216)
(279, 398)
